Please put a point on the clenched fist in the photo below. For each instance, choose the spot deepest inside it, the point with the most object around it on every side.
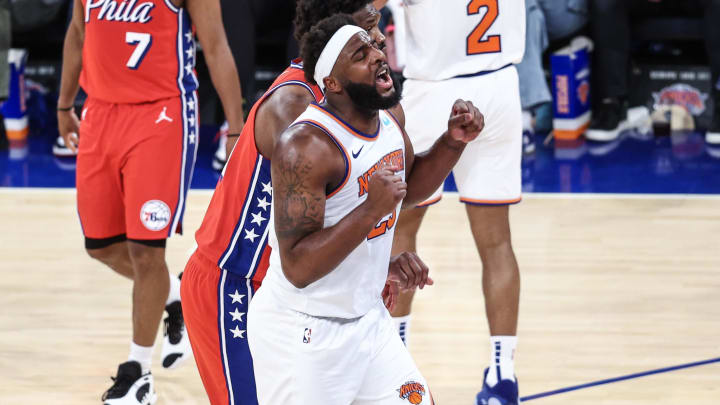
(465, 122)
(385, 191)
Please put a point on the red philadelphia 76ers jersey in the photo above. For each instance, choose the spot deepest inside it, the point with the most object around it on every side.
(234, 232)
(137, 51)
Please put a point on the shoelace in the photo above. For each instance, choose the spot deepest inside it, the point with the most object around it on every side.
(121, 384)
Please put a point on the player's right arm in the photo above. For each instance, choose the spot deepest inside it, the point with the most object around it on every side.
(305, 165)
(276, 113)
(68, 123)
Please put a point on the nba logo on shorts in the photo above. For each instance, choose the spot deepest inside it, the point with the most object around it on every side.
(306, 335)
(155, 215)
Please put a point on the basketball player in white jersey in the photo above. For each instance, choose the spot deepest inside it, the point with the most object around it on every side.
(318, 330)
(467, 49)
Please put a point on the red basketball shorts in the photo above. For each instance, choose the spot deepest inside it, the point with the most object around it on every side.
(134, 166)
(215, 305)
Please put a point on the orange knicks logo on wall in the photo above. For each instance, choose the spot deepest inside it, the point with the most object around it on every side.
(583, 91)
(394, 158)
(412, 391)
(683, 94)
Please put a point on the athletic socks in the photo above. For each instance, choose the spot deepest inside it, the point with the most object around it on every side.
(174, 294)
(502, 359)
(142, 355)
(403, 326)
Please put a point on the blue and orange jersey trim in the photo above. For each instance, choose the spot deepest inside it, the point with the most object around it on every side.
(356, 132)
(429, 202)
(346, 157)
(472, 201)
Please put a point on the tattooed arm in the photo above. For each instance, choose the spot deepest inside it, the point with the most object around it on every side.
(305, 165)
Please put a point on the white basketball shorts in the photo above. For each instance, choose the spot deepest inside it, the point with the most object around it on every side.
(301, 359)
(489, 170)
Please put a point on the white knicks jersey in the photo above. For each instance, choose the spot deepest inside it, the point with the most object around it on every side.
(352, 288)
(451, 38)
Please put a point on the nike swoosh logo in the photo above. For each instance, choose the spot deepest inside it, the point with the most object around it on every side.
(355, 155)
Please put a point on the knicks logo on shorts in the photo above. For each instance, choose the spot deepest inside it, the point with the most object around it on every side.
(155, 215)
(412, 391)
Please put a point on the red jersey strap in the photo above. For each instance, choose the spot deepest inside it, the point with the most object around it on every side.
(294, 75)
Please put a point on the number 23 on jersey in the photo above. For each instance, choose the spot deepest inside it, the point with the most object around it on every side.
(476, 45)
(384, 226)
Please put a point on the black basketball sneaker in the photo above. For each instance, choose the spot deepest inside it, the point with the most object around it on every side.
(176, 343)
(131, 387)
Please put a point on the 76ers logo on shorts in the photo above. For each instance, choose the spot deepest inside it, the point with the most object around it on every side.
(155, 215)
(412, 391)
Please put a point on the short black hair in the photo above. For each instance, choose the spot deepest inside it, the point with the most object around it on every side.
(310, 12)
(314, 41)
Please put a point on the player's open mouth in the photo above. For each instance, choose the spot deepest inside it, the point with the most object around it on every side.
(383, 79)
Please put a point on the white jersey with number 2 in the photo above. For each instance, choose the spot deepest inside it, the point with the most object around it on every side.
(450, 38)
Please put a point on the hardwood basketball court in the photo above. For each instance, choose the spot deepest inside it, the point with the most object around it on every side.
(611, 286)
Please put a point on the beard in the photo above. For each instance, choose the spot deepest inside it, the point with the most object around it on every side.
(367, 97)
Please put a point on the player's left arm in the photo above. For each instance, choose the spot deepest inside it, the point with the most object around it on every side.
(206, 16)
(429, 169)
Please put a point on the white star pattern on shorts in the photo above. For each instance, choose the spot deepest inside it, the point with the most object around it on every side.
(262, 203)
(237, 332)
(257, 218)
(236, 297)
(236, 315)
(251, 235)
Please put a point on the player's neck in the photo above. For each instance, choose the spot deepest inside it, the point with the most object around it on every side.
(363, 119)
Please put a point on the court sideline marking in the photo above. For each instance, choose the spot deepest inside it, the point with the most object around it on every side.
(618, 379)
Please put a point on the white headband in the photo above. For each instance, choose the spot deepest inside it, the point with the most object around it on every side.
(332, 50)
